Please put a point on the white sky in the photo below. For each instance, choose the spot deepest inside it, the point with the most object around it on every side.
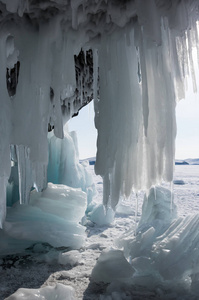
(84, 126)
(187, 117)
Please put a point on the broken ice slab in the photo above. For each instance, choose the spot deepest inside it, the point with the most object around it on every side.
(52, 217)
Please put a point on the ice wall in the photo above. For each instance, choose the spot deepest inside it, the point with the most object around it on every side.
(141, 55)
(63, 163)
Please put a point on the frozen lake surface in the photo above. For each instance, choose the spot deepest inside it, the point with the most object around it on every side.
(42, 267)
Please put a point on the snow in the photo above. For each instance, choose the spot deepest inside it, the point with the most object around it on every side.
(45, 266)
(71, 258)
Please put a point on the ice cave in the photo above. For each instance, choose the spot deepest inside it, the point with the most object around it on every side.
(132, 58)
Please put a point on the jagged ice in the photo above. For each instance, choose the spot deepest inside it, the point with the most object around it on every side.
(133, 58)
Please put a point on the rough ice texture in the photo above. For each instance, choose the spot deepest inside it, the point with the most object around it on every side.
(157, 210)
(111, 265)
(163, 252)
(141, 55)
(52, 217)
(59, 292)
(71, 258)
(101, 215)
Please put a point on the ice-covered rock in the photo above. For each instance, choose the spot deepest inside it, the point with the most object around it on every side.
(59, 292)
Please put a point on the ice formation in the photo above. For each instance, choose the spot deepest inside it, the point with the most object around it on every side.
(106, 269)
(101, 216)
(63, 163)
(132, 57)
(162, 256)
(71, 258)
(52, 217)
(59, 292)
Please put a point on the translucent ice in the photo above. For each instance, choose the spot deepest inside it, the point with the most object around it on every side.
(52, 217)
(101, 215)
(164, 251)
(110, 266)
(59, 292)
(63, 165)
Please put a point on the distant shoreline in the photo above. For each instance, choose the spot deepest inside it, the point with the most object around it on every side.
(187, 161)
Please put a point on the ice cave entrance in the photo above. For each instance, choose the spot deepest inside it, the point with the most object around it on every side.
(86, 132)
(187, 111)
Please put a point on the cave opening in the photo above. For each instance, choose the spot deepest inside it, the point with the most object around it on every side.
(141, 51)
(84, 126)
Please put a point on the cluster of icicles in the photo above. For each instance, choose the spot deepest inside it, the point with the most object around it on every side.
(142, 56)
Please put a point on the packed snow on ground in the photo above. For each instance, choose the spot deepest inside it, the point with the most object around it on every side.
(101, 269)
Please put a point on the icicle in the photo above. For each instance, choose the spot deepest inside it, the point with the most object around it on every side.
(3, 184)
(13, 153)
(95, 73)
(154, 192)
(136, 212)
(191, 62)
(25, 173)
(106, 190)
(171, 189)
(58, 117)
(39, 171)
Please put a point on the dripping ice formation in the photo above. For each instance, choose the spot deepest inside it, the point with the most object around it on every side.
(132, 57)
(54, 215)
